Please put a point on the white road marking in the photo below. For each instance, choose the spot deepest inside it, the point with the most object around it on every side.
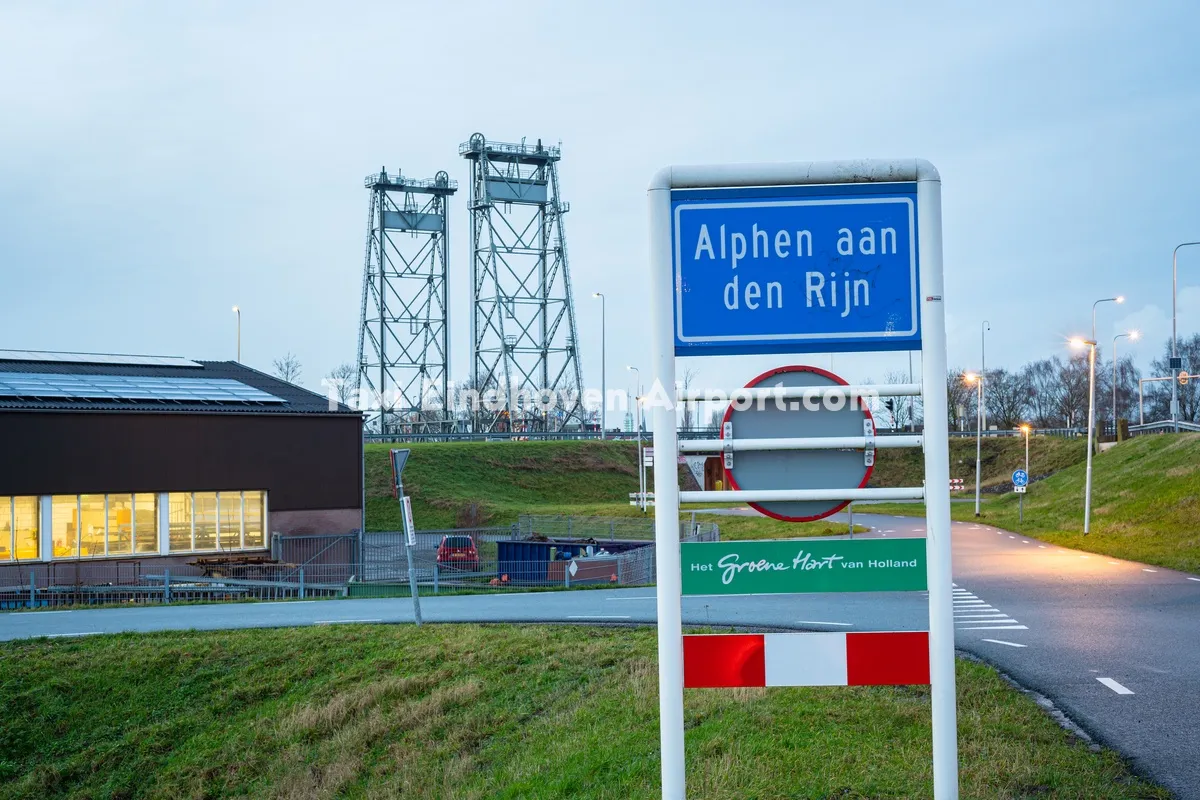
(819, 622)
(285, 603)
(1012, 537)
(996, 628)
(1001, 641)
(342, 621)
(618, 599)
(1116, 687)
(1005, 621)
(1085, 556)
(1190, 578)
(598, 616)
(26, 614)
(1147, 569)
(1024, 541)
(62, 635)
(981, 615)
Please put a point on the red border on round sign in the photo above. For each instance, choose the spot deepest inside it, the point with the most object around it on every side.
(770, 374)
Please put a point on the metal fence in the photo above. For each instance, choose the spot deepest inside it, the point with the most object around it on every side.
(610, 529)
(604, 551)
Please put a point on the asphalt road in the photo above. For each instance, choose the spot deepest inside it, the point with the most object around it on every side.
(1114, 644)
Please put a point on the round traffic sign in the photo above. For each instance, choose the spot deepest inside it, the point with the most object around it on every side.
(1020, 477)
(1183, 377)
(797, 469)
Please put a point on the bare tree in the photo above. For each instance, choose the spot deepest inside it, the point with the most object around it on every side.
(904, 412)
(689, 411)
(1007, 398)
(287, 368)
(960, 399)
(342, 378)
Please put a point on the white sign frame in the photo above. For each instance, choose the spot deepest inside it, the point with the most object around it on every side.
(937, 462)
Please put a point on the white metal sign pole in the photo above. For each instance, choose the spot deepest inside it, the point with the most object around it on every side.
(666, 497)
(937, 479)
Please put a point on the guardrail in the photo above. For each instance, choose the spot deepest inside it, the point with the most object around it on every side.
(1164, 426)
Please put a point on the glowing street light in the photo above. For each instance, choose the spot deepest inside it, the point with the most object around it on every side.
(1026, 429)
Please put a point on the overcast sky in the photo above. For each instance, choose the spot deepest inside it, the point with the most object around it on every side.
(161, 162)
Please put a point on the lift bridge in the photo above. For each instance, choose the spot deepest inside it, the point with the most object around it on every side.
(523, 340)
(404, 329)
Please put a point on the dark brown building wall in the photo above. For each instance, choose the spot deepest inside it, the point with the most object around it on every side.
(326, 521)
(305, 461)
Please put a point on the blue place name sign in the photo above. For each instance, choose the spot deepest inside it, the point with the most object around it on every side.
(798, 269)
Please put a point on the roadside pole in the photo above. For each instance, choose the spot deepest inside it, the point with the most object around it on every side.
(668, 563)
(937, 502)
(399, 458)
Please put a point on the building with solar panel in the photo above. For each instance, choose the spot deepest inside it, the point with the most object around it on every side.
(140, 457)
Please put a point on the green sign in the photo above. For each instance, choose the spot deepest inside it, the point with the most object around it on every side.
(798, 565)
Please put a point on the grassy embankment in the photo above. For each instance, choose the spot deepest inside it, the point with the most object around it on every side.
(460, 484)
(485, 712)
(491, 483)
(1145, 503)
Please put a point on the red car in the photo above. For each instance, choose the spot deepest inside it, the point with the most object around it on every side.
(458, 552)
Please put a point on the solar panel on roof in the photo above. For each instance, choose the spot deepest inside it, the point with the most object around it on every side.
(96, 358)
(123, 387)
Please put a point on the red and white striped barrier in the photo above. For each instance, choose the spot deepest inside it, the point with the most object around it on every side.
(805, 659)
(956, 484)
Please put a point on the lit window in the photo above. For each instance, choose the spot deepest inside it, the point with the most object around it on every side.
(64, 525)
(91, 525)
(25, 527)
(204, 514)
(145, 523)
(180, 504)
(8, 544)
(120, 524)
(253, 505)
(229, 531)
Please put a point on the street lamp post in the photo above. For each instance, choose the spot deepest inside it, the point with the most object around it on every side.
(977, 379)
(603, 371)
(637, 423)
(1091, 428)
(1174, 347)
(238, 311)
(1025, 429)
(1132, 336)
(981, 409)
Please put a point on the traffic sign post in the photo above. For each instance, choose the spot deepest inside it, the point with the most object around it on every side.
(800, 258)
(1020, 480)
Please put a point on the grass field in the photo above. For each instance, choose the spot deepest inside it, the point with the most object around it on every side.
(485, 712)
(461, 484)
(492, 483)
(1145, 503)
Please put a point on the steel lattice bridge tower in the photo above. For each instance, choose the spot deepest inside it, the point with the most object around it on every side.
(523, 339)
(404, 331)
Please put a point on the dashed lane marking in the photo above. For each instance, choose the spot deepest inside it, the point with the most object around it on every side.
(1147, 569)
(1024, 541)
(1197, 580)
(995, 628)
(1001, 641)
(1116, 687)
(820, 622)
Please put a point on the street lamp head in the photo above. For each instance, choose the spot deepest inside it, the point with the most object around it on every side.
(1079, 342)
(236, 309)
(631, 368)
(597, 294)
(1120, 298)
(1025, 428)
(970, 377)
(1134, 335)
